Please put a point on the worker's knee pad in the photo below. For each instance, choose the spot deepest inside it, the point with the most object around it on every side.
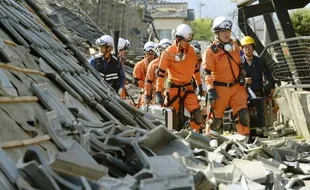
(197, 116)
(216, 123)
(244, 117)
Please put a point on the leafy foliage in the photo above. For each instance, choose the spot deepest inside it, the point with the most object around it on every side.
(202, 28)
(301, 21)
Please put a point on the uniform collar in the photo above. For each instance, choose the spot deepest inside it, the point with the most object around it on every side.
(254, 60)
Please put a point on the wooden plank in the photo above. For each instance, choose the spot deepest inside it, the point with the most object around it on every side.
(26, 142)
(19, 99)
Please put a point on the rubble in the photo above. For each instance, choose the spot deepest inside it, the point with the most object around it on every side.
(94, 140)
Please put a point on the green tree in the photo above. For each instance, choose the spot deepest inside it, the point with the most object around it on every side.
(202, 28)
(300, 20)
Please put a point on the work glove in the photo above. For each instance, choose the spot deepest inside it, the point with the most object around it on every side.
(159, 98)
(136, 82)
(147, 99)
(120, 91)
(199, 91)
(212, 95)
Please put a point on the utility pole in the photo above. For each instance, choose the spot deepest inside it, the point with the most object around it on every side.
(200, 5)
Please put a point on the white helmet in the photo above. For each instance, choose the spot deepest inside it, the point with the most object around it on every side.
(184, 31)
(221, 23)
(105, 40)
(149, 46)
(123, 44)
(164, 43)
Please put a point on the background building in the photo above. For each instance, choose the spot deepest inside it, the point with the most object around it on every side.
(167, 16)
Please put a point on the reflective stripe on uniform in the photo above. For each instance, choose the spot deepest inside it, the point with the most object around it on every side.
(110, 78)
(111, 75)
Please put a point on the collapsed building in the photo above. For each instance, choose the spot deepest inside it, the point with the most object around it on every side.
(63, 127)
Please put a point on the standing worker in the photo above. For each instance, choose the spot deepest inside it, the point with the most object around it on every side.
(180, 61)
(150, 80)
(123, 46)
(197, 48)
(224, 78)
(108, 65)
(256, 70)
(139, 71)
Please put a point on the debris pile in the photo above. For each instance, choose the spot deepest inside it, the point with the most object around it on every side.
(83, 136)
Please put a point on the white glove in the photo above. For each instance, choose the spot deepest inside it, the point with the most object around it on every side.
(120, 91)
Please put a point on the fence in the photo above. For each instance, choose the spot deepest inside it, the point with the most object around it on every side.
(289, 60)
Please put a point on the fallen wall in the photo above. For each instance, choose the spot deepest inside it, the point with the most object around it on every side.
(294, 106)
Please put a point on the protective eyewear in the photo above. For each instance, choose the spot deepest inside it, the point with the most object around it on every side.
(150, 52)
(226, 25)
(100, 42)
(149, 49)
(188, 38)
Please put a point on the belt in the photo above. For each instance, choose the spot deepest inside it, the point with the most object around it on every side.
(230, 84)
(181, 87)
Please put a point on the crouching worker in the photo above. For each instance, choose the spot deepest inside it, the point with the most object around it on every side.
(180, 62)
(108, 65)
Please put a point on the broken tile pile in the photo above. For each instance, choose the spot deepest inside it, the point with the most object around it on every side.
(63, 127)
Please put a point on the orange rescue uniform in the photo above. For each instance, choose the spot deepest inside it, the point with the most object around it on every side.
(235, 96)
(139, 73)
(151, 79)
(180, 74)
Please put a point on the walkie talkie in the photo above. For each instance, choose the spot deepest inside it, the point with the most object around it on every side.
(213, 47)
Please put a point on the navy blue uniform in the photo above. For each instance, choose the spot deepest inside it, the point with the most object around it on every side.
(112, 71)
(256, 71)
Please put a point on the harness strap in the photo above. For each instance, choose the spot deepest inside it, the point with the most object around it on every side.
(181, 88)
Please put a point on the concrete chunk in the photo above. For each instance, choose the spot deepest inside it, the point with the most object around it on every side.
(251, 169)
(227, 174)
(181, 181)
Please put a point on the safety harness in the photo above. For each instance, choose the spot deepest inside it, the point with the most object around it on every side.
(236, 80)
(181, 88)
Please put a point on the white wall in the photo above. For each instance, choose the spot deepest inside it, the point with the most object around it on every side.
(167, 24)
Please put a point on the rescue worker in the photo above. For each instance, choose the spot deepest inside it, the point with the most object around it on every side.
(224, 78)
(180, 62)
(123, 46)
(108, 65)
(139, 71)
(197, 48)
(150, 80)
(255, 71)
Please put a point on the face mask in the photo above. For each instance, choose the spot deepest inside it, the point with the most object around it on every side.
(179, 57)
(229, 47)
